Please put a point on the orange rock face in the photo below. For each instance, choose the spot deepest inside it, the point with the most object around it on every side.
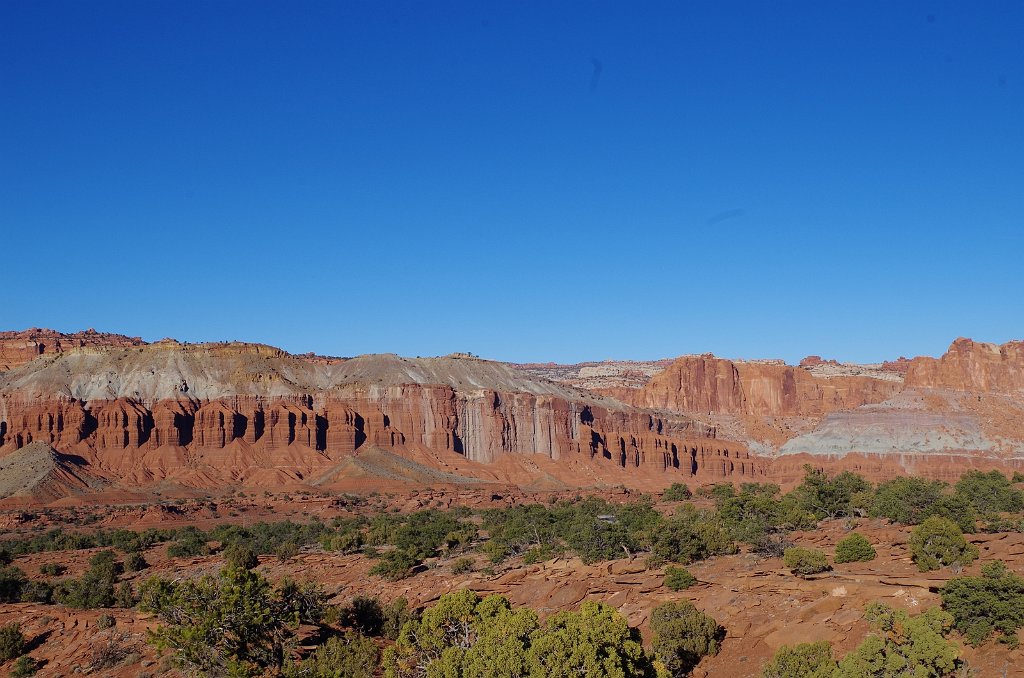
(972, 366)
(484, 428)
(707, 384)
(207, 415)
(17, 348)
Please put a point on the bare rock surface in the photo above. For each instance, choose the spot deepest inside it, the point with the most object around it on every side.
(39, 472)
(17, 348)
(227, 414)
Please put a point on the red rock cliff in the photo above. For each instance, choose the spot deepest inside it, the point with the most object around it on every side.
(707, 384)
(17, 348)
(218, 411)
(972, 366)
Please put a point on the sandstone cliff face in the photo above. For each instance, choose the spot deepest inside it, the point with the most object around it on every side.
(17, 348)
(710, 385)
(219, 413)
(213, 415)
(964, 408)
(972, 366)
(598, 376)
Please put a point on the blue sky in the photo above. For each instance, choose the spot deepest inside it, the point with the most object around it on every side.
(527, 181)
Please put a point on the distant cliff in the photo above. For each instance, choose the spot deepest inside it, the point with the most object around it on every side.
(214, 413)
(707, 384)
(972, 366)
(17, 348)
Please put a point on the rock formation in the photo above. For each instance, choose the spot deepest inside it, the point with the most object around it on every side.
(226, 413)
(972, 366)
(17, 348)
(38, 472)
(959, 411)
(707, 384)
(214, 415)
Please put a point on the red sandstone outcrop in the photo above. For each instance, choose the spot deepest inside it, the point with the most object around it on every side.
(972, 366)
(216, 413)
(599, 376)
(816, 360)
(898, 366)
(711, 385)
(17, 348)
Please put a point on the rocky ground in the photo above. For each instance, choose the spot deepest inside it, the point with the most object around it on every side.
(761, 605)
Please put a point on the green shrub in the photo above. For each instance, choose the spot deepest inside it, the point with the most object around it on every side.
(990, 492)
(981, 606)
(12, 581)
(905, 500)
(570, 642)
(678, 578)
(268, 538)
(462, 631)
(363, 614)
(37, 592)
(828, 497)
(957, 508)
(804, 561)
(592, 528)
(135, 562)
(95, 588)
(757, 511)
(903, 646)
(12, 642)
(462, 566)
(396, 614)
(938, 542)
(125, 596)
(286, 551)
(59, 540)
(683, 635)
(538, 554)
(677, 492)
(189, 545)
(105, 621)
(394, 565)
(240, 554)
(349, 655)
(52, 569)
(25, 666)
(691, 535)
(304, 601)
(806, 660)
(346, 541)
(594, 539)
(854, 548)
(464, 635)
(235, 623)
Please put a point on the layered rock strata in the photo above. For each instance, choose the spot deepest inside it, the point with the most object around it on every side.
(219, 411)
(972, 366)
(711, 385)
(17, 348)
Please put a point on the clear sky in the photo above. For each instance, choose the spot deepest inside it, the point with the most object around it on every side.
(526, 180)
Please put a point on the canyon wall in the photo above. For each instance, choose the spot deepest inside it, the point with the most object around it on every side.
(210, 415)
(710, 385)
(219, 411)
(121, 435)
(17, 348)
(972, 366)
